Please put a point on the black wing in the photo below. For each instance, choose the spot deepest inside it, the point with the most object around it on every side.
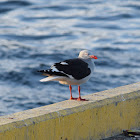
(76, 68)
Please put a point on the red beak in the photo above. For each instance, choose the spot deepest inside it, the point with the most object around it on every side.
(92, 56)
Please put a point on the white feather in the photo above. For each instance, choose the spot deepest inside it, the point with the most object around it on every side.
(54, 69)
(64, 63)
(50, 78)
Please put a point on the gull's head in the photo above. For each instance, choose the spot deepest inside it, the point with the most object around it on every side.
(84, 54)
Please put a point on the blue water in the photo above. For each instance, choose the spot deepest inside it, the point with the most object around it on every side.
(36, 33)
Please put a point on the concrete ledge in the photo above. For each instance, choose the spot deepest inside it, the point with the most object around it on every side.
(106, 114)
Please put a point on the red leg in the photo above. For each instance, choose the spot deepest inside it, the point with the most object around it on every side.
(71, 98)
(80, 99)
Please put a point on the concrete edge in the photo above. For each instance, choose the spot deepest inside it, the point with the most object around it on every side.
(120, 99)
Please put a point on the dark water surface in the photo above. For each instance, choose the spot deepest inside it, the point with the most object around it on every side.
(36, 33)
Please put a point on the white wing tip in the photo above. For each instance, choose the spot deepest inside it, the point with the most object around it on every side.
(64, 63)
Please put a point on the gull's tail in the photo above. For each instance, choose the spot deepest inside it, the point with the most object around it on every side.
(52, 75)
(50, 78)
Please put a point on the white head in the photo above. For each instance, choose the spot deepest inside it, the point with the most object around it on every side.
(84, 54)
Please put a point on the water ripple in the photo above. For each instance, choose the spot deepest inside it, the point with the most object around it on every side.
(6, 6)
(36, 34)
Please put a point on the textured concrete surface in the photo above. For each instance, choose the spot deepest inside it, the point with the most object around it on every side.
(106, 114)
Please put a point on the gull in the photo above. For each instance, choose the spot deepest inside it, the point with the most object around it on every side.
(71, 72)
